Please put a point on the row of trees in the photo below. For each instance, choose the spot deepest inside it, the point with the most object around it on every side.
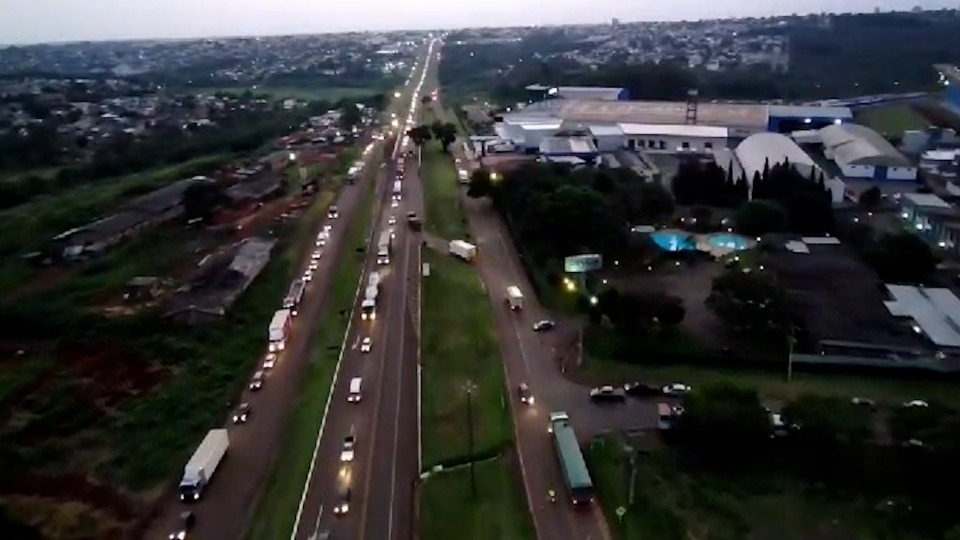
(445, 132)
(726, 427)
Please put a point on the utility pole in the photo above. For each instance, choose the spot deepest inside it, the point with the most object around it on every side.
(790, 340)
(469, 387)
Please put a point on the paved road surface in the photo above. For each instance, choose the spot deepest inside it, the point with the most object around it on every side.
(533, 358)
(228, 503)
(381, 477)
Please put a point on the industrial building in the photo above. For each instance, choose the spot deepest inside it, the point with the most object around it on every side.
(861, 152)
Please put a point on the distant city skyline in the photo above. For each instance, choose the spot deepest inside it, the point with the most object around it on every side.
(42, 21)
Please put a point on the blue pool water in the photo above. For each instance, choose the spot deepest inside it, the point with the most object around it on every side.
(674, 241)
(728, 241)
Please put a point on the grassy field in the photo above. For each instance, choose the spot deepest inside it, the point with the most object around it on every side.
(774, 387)
(304, 94)
(670, 504)
(274, 514)
(891, 119)
(441, 193)
(448, 509)
(459, 345)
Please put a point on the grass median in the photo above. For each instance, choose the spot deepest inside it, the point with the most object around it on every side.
(276, 511)
(441, 192)
(448, 509)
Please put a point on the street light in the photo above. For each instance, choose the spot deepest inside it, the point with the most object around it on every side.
(469, 387)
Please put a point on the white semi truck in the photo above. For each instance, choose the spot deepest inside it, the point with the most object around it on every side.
(368, 308)
(514, 298)
(203, 464)
(294, 295)
(384, 247)
(462, 250)
(279, 329)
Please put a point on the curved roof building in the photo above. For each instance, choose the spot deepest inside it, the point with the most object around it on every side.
(762, 148)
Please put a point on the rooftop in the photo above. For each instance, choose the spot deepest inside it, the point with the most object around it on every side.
(935, 312)
(926, 200)
(663, 112)
(567, 146)
(853, 144)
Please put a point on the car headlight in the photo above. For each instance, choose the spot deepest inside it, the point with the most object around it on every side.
(530, 400)
(344, 507)
(181, 535)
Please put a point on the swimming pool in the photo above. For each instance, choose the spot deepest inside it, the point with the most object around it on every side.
(733, 242)
(674, 240)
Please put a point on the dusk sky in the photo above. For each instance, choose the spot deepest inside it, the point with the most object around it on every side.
(32, 21)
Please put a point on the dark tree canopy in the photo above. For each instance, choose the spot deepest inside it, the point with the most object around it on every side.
(751, 303)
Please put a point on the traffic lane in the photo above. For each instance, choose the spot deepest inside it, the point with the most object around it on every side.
(254, 445)
(406, 460)
(343, 419)
(380, 501)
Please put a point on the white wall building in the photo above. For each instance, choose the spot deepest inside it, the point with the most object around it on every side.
(673, 139)
(861, 152)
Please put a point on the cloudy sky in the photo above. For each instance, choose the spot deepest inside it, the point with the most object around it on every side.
(32, 21)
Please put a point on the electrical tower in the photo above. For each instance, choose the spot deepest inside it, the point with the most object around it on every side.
(692, 96)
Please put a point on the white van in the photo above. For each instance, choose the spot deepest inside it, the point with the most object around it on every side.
(354, 395)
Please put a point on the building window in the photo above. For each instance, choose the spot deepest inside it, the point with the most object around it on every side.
(685, 145)
(663, 145)
(708, 145)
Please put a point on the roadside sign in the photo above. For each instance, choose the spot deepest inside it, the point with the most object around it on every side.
(582, 263)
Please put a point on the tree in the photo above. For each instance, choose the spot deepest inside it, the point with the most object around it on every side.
(445, 132)
(350, 115)
(481, 184)
(724, 422)
(824, 422)
(750, 302)
(757, 218)
(702, 217)
(902, 256)
(201, 199)
(870, 198)
(656, 203)
(419, 135)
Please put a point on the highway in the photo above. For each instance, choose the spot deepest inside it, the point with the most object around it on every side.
(381, 476)
(534, 358)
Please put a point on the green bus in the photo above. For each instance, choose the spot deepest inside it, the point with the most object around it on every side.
(575, 473)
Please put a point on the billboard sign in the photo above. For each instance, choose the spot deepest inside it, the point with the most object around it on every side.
(582, 263)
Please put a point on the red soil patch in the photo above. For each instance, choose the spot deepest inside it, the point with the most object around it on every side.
(71, 488)
(107, 375)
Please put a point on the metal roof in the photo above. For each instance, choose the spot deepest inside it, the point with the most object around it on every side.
(935, 312)
(761, 149)
(676, 130)
(567, 146)
(810, 111)
(853, 144)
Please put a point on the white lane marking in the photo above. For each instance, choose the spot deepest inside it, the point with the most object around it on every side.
(316, 525)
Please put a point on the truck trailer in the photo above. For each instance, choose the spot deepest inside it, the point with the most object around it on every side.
(384, 247)
(294, 295)
(462, 250)
(368, 308)
(279, 329)
(203, 464)
(514, 298)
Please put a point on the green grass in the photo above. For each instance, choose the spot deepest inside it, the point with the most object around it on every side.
(275, 513)
(774, 386)
(441, 192)
(448, 509)
(671, 504)
(459, 345)
(891, 119)
(304, 94)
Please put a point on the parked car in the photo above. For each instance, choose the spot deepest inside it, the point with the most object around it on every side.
(525, 395)
(308, 275)
(864, 402)
(256, 383)
(313, 266)
(676, 389)
(544, 325)
(640, 389)
(316, 254)
(607, 393)
(366, 344)
(242, 413)
(392, 220)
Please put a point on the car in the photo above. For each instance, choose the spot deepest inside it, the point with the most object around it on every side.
(347, 452)
(308, 275)
(327, 228)
(607, 393)
(242, 413)
(394, 203)
(185, 524)
(411, 215)
(916, 403)
(864, 402)
(640, 389)
(333, 213)
(544, 325)
(366, 344)
(269, 361)
(313, 266)
(316, 255)
(392, 220)
(675, 389)
(525, 396)
(256, 383)
(343, 504)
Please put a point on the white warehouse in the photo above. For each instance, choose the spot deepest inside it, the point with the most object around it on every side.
(861, 152)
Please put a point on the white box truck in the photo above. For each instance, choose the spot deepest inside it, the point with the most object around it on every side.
(279, 328)
(203, 464)
(514, 298)
(462, 250)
